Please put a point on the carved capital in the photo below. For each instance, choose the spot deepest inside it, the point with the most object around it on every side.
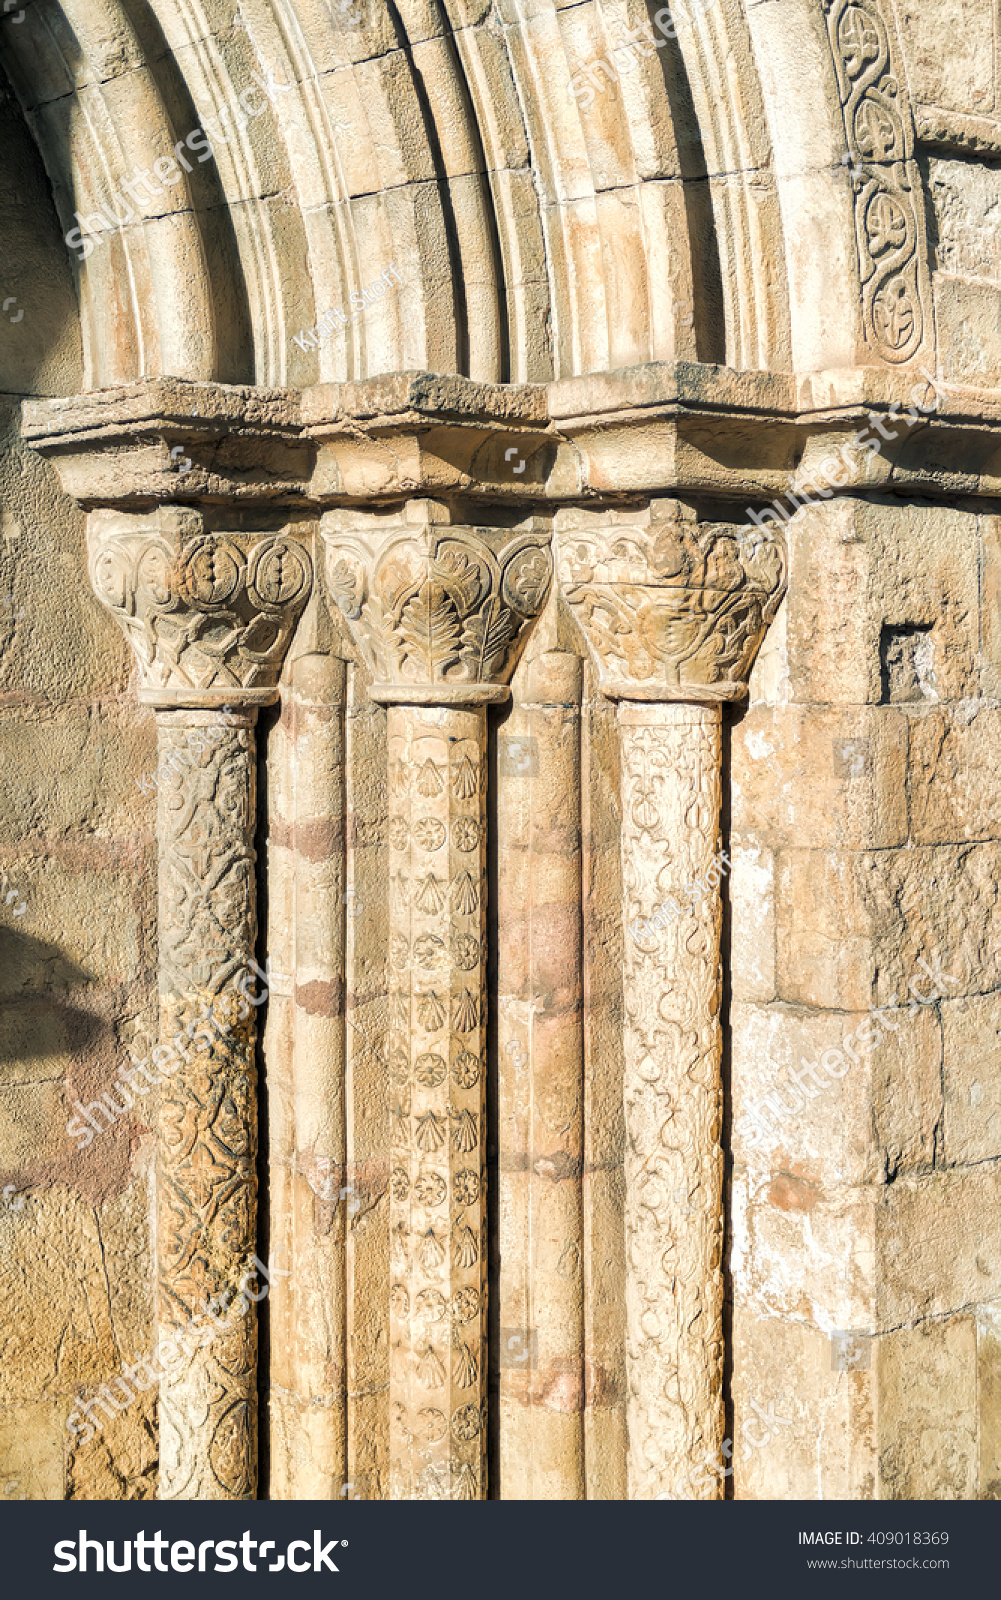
(439, 611)
(673, 609)
(209, 615)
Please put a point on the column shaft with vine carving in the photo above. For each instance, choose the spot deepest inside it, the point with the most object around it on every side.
(437, 1039)
(673, 1095)
(207, 1135)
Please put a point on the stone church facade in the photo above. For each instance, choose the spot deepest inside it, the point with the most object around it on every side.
(501, 688)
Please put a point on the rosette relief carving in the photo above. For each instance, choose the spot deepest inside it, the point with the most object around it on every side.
(439, 613)
(205, 613)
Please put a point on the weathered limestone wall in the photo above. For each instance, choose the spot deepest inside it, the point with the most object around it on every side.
(615, 309)
(77, 938)
(865, 841)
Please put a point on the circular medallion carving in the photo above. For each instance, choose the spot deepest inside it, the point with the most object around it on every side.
(210, 576)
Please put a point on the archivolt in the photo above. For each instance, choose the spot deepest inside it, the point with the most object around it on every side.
(535, 237)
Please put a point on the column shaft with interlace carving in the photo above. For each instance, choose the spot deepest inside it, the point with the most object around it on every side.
(672, 1093)
(207, 1143)
(210, 616)
(437, 1362)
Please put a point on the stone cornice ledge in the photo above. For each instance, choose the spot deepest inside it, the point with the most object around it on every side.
(679, 428)
(172, 440)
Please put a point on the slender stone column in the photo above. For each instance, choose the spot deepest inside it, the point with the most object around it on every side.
(210, 617)
(207, 1121)
(541, 1089)
(440, 612)
(324, 1198)
(437, 1361)
(675, 611)
(672, 1091)
(312, 1195)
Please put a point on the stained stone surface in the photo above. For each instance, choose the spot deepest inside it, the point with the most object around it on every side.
(439, 424)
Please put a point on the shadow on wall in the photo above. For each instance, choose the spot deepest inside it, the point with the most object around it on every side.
(54, 1052)
(40, 345)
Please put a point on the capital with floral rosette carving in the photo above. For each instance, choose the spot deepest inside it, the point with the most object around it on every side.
(209, 616)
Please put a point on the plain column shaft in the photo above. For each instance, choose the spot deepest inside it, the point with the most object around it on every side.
(541, 1087)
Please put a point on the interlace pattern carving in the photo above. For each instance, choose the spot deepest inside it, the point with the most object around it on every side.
(207, 1145)
(673, 1097)
(203, 611)
(449, 605)
(886, 184)
(678, 605)
(437, 1041)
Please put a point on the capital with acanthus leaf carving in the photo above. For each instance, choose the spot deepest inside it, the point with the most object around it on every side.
(439, 610)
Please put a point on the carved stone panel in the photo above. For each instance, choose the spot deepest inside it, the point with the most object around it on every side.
(673, 1096)
(671, 610)
(889, 230)
(206, 613)
(437, 1042)
(207, 1130)
(440, 605)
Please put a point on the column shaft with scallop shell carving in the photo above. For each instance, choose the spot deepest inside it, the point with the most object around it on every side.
(673, 1096)
(207, 1131)
(440, 611)
(437, 1376)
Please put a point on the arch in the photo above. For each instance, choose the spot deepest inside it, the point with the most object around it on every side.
(536, 230)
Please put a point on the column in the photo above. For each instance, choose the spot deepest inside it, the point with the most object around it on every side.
(206, 1180)
(674, 611)
(312, 1193)
(439, 611)
(210, 617)
(438, 1003)
(672, 1092)
(541, 1089)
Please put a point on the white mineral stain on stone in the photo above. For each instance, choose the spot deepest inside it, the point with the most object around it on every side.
(757, 746)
